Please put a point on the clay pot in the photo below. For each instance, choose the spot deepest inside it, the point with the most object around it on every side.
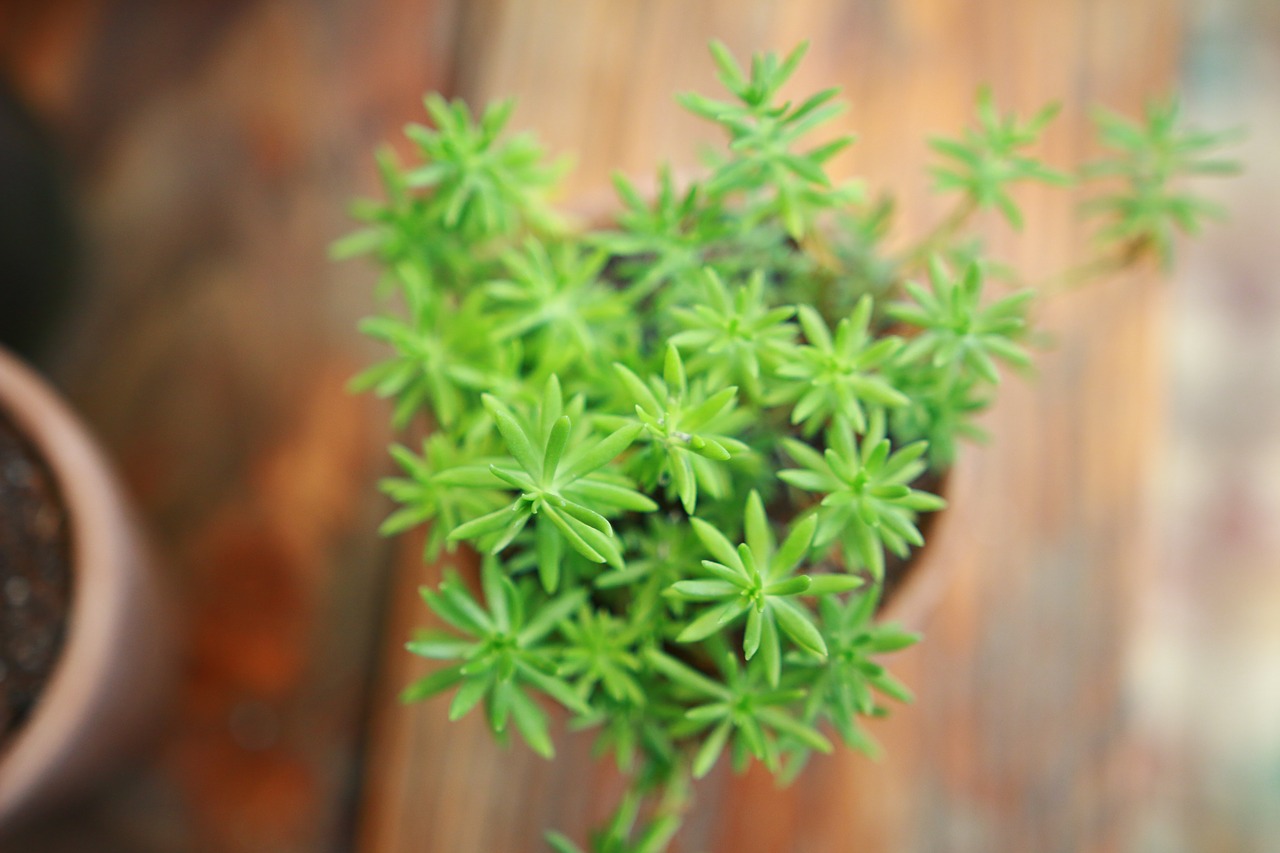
(117, 659)
(927, 574)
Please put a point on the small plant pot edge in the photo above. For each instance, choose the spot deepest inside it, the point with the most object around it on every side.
(929, 568)
(117, 661)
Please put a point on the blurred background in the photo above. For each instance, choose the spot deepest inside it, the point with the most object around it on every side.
(1205, 666)
(1103, 669)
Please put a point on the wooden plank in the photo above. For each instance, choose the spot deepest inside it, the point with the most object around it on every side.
(1018, 740)
(216, 147)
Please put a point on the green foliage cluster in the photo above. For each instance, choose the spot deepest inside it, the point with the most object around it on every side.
(685, 443)
(1149, 160)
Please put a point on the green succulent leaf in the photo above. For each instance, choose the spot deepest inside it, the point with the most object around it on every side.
(736, 337)
(680, 421)
(555, 489)
(681, 443)
(960, 336)
(499, 657)
(758, 581)
(764, 132)
(1149, 163)
(988, 159)
(868, 503)
(839, 374)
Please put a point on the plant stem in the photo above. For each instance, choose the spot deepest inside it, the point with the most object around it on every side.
(1126, 256)
(674, 796)
(677, 795)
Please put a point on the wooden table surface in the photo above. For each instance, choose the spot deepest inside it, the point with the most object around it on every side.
(215, 145)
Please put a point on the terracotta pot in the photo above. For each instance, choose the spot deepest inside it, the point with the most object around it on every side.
(118, 653)
(912, 603)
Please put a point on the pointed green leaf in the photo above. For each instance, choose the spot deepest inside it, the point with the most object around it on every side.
(468, 696)
(599, 454)
(440, 680)
(555, 447)
(831, 584)
(795, 547)
(712, 621)
(532, 724)
(711, 749)
(716, 544)
(551, 615)
(751, 639)
(798, 625)
(759, 534)
(489, 523)
(513, 434)
(770, 649)
(550, 552)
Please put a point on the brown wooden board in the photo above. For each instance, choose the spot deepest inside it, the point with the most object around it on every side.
(215, 146)
(1018, 740)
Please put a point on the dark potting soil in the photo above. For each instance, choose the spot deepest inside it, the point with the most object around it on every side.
(35, 576)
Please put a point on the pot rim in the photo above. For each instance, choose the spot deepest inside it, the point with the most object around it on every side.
(102, 581)
(929, 571)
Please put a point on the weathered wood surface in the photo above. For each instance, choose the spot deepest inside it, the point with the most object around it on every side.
(1018, 740)
(217, 144)
(216, 147)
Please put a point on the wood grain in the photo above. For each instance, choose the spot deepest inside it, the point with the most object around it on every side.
(216, 144)
(1018, 739)
(216, 147)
